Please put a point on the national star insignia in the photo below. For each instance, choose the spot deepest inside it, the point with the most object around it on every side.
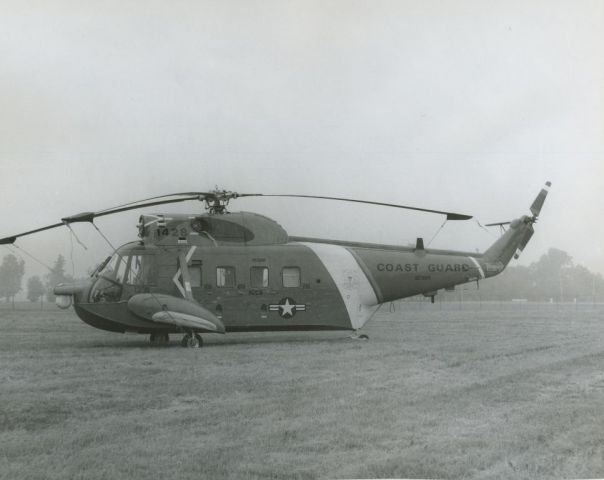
(287, 307)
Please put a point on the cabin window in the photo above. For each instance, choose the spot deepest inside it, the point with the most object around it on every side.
(291, 277)
(225, 276)
(259, 277)
(195, 273)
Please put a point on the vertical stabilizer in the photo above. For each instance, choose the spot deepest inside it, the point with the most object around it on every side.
(513, 241)
(538, 203)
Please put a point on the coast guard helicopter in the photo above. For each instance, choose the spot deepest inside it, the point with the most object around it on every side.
(220, 272)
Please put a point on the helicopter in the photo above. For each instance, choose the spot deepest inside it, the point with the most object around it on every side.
(220, 271)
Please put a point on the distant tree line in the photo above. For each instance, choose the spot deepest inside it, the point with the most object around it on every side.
(11, 273)
(12, 270)
(554, 277)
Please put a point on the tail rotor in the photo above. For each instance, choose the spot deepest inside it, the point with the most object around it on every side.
(535, 209)
(519, 233)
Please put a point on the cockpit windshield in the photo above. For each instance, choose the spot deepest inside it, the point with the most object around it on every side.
(134, 270)
(115, 268)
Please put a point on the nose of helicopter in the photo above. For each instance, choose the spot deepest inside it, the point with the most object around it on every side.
(65, 292)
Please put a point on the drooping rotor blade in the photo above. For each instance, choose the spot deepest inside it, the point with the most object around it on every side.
(218, 199)
(450, 215)
(90, 216)
(200, 195)
(538, 203)
(12, 239)
(125, 208)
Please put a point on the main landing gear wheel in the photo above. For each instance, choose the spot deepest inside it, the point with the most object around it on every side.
(362, 336)
(192, 341)
(159, 339)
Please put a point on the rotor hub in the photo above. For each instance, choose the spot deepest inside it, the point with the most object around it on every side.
(218, 200)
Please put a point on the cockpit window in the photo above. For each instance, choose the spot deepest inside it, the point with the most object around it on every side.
(108, 286)
(134, 269)
(115, 268)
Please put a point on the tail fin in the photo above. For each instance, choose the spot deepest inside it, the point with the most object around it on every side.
(538, 203)
(513, 241)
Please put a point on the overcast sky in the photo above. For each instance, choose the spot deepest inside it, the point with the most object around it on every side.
(468, 106)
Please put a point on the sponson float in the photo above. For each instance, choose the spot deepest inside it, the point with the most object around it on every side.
(220, 272)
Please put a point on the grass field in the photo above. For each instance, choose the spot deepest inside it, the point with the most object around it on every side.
(449, 391)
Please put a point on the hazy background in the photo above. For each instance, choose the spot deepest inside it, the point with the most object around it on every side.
(468, 106)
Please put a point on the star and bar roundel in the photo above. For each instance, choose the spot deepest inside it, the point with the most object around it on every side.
(287, 307)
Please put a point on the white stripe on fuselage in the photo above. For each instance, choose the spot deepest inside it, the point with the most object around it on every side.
(178, 273)
(480, 270)
(353, 285)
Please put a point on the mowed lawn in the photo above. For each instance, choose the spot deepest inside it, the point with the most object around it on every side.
(439, 391)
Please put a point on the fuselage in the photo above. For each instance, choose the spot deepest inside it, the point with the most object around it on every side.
(242, 272)
(300, 285)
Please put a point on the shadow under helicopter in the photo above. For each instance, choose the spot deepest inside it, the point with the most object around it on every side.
(284, 338)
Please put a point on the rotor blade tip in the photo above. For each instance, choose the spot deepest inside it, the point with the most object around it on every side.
(7, 240)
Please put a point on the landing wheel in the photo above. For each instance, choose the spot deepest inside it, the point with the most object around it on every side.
(363, 337)
(192, 341)
(159, 339)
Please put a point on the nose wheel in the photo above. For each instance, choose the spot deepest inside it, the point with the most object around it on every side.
(192, 340)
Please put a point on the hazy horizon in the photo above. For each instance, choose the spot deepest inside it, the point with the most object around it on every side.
(467, 106)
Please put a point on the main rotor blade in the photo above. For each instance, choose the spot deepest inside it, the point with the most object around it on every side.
(450, 215)
(90, 216)
(12, 239)
(216, 196)
(197, 195)
(135, 205)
